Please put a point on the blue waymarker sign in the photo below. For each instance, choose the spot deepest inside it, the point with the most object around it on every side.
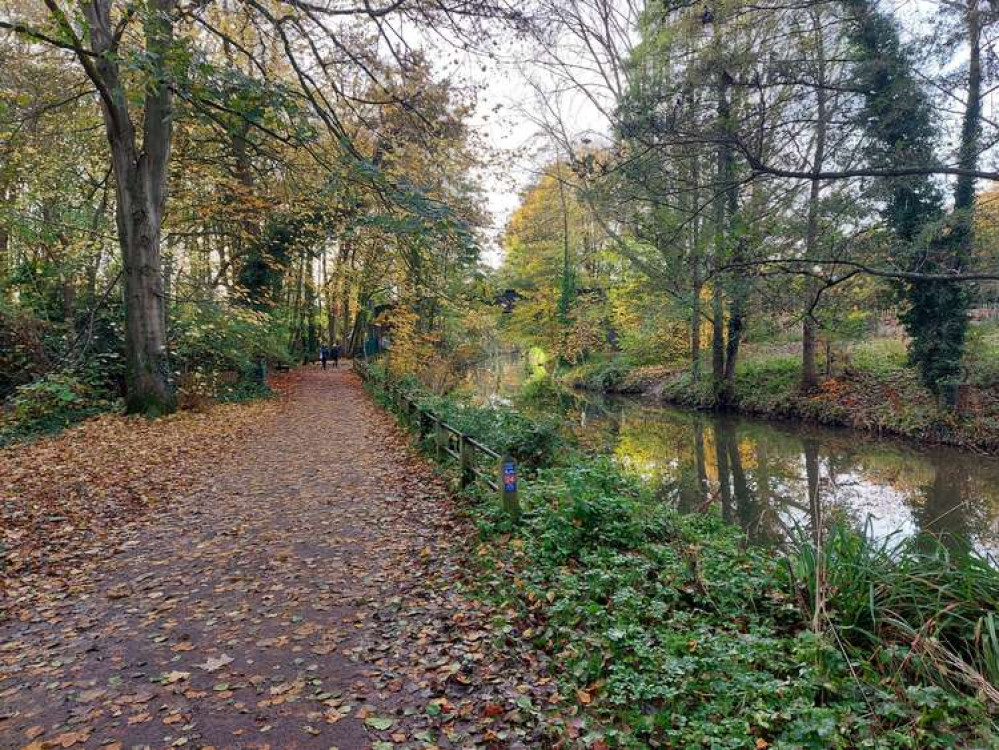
(509, 476)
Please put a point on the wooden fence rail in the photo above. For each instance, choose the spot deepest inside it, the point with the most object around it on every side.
(453, 442)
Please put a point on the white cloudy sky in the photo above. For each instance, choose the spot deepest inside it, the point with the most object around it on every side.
(505, 126)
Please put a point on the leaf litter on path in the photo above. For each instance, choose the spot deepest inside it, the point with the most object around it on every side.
(278, 574)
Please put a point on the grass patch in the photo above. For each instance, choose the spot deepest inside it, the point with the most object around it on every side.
(768, 383)
(881, 358)
(982, 358)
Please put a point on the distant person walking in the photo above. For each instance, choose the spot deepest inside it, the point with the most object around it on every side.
(323, 355)
(336, 355)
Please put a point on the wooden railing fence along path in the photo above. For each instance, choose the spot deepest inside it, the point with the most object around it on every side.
(463, 448)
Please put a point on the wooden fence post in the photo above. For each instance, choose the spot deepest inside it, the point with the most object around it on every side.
(508, 487)
(465, 451)
(438, 437)
(467, 447)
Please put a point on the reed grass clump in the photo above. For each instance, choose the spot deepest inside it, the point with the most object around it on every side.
(912, 607)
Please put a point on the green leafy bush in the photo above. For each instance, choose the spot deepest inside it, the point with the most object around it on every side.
(982, 356)
(531, 442)
(216, 350)
(25, 350)
(50, 403)
(49, 397)
(601, 374)
(592, 505)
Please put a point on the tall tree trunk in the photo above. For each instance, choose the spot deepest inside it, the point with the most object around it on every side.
(5, 261)
(809, 376)
(149, 389)
(347, 263)
(345, 323)
(250, 230)
(296, 344)
(724, 188)
(717, 326)
(809, 379)
(140, 188)
(329, 300)
(351, 347)
(971, 133)
(565, 287)
(736, 324)
(695, 331)
(696, 284)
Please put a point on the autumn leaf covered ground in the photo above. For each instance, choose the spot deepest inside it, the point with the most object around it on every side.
(276, 574)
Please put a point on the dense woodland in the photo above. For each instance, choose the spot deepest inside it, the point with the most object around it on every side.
(790, 175)
(189, 189)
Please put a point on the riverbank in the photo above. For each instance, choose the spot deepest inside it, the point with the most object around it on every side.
(875, 391)
(670, 631)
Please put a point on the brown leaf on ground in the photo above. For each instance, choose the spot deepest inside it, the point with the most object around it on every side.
(279, 574)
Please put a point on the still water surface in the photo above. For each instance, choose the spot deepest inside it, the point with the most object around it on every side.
(779, 478)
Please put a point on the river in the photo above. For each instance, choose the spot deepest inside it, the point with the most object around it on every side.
(776, 479)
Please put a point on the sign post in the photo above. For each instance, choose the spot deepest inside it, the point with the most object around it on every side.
(508, 487)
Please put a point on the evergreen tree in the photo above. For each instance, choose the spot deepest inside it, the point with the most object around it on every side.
(898, 118)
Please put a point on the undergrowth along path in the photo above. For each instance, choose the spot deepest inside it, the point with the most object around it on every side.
(299, 587)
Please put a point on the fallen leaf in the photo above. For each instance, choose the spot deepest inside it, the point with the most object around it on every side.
(214, 663)
(68, 739)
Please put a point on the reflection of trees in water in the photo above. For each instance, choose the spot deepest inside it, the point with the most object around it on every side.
(810, 450)
(745, 500)
(773, 479)
(722, 437)
(693, 491)
(944, 511)
(753, 500)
